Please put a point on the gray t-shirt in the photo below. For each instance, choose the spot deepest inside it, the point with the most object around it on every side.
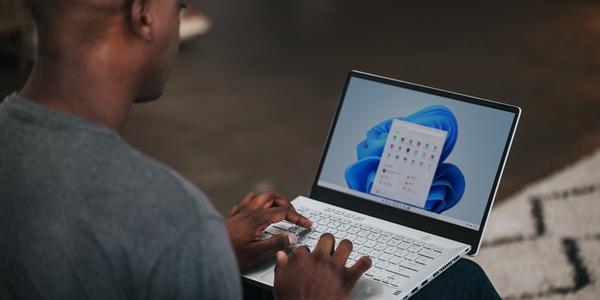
(85, 216)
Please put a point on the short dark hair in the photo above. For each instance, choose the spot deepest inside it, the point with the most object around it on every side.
(83, 20)
(45, 11)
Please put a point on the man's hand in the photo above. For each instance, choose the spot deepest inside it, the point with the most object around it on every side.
(320, 274)
(247, 220)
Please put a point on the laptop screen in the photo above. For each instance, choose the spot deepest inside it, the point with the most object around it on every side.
(415, 151)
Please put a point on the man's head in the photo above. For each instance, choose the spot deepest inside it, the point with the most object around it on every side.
(137, 40)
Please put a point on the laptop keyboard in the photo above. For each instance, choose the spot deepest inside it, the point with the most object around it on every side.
(395, 258)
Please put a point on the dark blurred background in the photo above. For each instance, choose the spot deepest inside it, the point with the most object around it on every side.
(249, 103)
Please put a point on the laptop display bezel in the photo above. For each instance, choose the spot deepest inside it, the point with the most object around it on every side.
(399, 216)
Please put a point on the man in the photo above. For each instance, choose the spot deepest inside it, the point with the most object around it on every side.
(83, 215)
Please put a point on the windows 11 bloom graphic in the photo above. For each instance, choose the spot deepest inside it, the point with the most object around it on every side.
(403, 159)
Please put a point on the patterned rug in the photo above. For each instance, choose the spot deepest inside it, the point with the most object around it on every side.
(544, 243)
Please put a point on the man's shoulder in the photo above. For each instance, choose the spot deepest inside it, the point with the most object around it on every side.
(158, 185)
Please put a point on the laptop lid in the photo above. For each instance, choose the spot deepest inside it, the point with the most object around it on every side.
(417, 156)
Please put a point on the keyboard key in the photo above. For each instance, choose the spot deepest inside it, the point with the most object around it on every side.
(393, 242)
(333, 231)
(344, 227)
(375, 253)
(386, 233)
(383, 239)
(335, 224)
(370, 244)
(319, 228)
(395, 260)
(297, 229)
(383, 264)
(414, 248)
(438, 249)
(363, 250)
(391, 250)
(401, 253)
(411, 265)
(341, 235)
(411, 256)
(284, 225)
(429, 253)
(313, 235)
(373, 236)
(273, 231)
(398, 237)
(385, 256)
(404, 245)
(381, 246)
(423, 260)
(360, 241)
(363, 233)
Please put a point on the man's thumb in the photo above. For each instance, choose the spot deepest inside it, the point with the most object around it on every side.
(270, 246)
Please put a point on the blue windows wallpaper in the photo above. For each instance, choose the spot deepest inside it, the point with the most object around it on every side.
(448, 184)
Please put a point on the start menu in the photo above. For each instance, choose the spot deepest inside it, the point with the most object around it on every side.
(408, 162)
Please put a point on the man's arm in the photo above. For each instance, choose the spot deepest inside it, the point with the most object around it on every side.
(201, 265)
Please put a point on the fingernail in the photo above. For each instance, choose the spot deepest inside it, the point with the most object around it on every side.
(292, 238)
(280, 256)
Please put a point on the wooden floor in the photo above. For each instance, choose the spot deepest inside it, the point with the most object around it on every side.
(249, 104)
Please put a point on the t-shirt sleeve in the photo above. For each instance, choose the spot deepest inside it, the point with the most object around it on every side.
(201, 265)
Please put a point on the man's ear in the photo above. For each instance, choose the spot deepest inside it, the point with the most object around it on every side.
(141, 19)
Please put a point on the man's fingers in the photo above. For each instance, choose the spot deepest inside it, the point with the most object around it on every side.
(269, 247)
(358, 269)
(340, 256)
(234, 210)
(281, 259)
(264, 200)
(266, 217)
(247, 200)
(293, 216)
(303, 249)
(325, 245)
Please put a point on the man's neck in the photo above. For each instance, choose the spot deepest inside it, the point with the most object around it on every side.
(79, 88)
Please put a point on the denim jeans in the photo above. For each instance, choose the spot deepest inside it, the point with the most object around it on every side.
(464, 280)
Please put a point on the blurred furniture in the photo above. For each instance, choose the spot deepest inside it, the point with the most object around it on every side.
(15, 22)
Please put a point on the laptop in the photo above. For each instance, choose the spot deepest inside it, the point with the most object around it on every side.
(408, 174)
